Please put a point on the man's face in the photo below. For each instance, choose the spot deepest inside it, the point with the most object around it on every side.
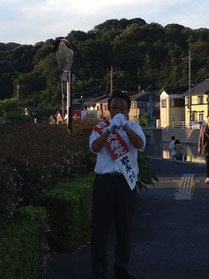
(118, 105)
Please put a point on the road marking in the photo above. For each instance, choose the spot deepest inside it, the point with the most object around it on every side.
(185, 190)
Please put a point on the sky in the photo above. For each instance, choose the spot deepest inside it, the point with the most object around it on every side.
(32, 21)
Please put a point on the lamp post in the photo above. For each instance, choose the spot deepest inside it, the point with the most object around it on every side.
(68, 58)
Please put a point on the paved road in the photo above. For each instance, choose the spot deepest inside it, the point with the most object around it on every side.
(171, 235)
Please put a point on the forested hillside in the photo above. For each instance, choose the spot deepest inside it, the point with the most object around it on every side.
(148, 55)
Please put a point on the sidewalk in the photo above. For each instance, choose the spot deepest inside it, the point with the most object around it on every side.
(171, 235)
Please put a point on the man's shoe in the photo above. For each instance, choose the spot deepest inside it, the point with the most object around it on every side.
(121, 273)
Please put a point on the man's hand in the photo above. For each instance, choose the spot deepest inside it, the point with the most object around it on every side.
(122, 119)
(115, 124)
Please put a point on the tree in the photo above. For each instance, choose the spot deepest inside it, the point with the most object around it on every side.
(8, 105)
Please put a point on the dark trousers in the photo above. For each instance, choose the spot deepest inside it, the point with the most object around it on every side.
(207, 165)
(114, 201)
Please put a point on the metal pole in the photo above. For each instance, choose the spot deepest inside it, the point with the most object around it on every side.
(150, 112)
(63, 109)
(69, 102)
(111, 79)
(190, 95)
(18, 87)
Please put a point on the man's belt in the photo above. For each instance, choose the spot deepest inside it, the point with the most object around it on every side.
(111, 174)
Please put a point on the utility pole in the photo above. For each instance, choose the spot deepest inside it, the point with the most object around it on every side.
(63, 109)
(190, 95)
(69, 102)
(111, 80)
(18, 88)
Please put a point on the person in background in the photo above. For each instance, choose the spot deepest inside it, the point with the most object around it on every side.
(52, 119)
(116, 143)
(171, 149)
(59, 118)
(203, 146)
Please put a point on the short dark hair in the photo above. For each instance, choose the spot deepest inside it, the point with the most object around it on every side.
(173, 137)
(119, 94)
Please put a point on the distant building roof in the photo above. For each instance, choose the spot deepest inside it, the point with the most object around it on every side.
(146, 95)
(104, 100)
(92, 101)
(174, 90)
(200, 88)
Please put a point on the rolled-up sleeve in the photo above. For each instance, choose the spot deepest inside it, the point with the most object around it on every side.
(94, 135)
(138, 130)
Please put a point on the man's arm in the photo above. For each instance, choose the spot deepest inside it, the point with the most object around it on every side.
(100, 142)
(135, 139)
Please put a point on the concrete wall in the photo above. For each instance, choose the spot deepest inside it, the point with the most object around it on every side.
(184, 135)
(154, 146)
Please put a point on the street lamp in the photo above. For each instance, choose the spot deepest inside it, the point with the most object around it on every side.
(68, 58)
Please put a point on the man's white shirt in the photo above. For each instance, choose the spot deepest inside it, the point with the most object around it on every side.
(105, 162)
(172, 147)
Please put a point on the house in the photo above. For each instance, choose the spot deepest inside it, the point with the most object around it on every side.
(199, 102)
(140, 104)
(99, 104)
(172, 105)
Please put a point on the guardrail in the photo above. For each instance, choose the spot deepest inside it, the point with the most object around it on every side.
(182, 125)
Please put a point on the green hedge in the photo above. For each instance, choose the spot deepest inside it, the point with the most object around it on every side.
(69, 207)
(36, 157)
(22, 245)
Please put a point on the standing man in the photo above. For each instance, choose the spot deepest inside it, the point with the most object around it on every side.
(116, 143)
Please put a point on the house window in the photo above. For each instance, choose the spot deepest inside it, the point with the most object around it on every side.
(163, 103)
(201, 117)
(194, 116)
(133, 105)
(177, 103)
(97, 107)
(105, 107)
(199, 100)
(186, 100)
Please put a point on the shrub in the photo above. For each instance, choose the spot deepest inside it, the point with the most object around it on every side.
(16, 116)
(8, 191)
(35, 157)
(23, 245)
(146, 175)
(69, 207)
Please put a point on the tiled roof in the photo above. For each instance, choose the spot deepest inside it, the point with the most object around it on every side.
(200, 88)
(144, 96)
(174, 90)
(147, 94)
(92, 102)
(104, 100)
